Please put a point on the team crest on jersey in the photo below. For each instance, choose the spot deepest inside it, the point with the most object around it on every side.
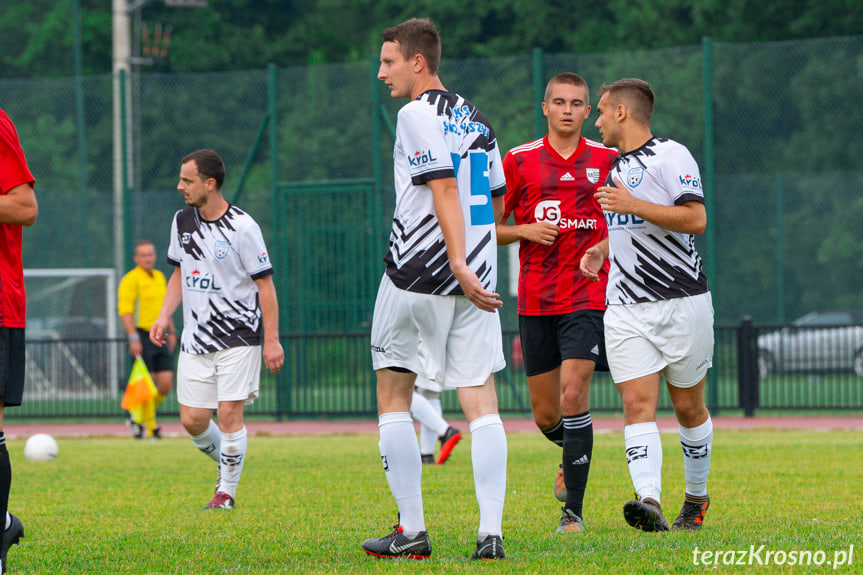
(263, 258)
(592, 175)
(187, 237)
(220, 249)
(634, 177)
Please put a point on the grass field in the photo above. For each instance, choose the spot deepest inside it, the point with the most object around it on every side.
(305, 503)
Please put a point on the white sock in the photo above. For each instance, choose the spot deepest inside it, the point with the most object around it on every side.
(697, 444)
(488, 455)
(233, 455)
(400, 456)
(428, 436)
(644, 456)
(209, 441)
(423, 411)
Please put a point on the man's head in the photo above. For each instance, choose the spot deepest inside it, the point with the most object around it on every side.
(144, 255)
(566, 103)
(410, 49)
(201, 173)
(627, 101)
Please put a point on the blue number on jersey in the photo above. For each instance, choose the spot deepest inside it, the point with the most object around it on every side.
(481, 212)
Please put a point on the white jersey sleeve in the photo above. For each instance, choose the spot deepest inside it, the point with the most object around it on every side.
(253, 251)
(681, 177)
(175, 252)
(423, 143)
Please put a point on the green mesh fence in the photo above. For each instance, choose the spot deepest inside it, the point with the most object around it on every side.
(309, 153)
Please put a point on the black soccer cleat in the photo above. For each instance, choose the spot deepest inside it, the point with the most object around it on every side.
(427, 458)
(645, 515)
(489, 548)
(692, 514)
(136, 428)
(11, 536)
(397, 544)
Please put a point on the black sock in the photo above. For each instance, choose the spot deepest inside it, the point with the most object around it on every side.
(577, 453)
(554, 433)
(5, 479)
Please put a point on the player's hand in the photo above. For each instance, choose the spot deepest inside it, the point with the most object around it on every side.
(274, 355)
(541, 233)
(615, 198)
(136, 348)
(159, 332)
(591, 263)
(476, 294)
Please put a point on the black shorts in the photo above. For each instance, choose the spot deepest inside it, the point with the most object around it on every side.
(156, 358)
(12, 358)
(547, 340)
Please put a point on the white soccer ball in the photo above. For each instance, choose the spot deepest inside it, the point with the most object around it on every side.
(40, 447)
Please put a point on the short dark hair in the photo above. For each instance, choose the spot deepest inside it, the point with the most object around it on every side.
(209, 164)
(636, 94)
(567, 78)
(143, 242)
(417, 36)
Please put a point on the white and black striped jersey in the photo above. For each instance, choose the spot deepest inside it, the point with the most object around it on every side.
(219, 262)
(650, 263)
(442, 135)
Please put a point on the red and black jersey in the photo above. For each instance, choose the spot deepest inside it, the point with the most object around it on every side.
(13, 173)
(543, 186)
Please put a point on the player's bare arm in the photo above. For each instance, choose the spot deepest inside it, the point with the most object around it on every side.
(136, 348)
(540, 232)
(592, 260)
(173, 297)
(688, 218)
(273, 353)
(18, 206)
(448, 209)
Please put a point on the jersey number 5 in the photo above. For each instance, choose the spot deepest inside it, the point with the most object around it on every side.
(481, 211)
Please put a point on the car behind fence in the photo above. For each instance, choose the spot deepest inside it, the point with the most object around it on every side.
(330, 375)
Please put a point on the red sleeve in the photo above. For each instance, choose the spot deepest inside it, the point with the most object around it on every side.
(513, 184)
(13, 164)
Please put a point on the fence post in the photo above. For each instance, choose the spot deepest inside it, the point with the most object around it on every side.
(539, 120)
(747, 366)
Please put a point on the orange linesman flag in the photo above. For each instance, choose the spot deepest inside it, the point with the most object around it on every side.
(140, 388)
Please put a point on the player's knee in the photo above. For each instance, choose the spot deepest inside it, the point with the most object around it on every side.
(574, 399)
(545, 416)
(689, 410)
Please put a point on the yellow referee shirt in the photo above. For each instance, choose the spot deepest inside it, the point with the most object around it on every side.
(142, 294)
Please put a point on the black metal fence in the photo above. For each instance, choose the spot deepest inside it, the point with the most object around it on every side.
(755, 367)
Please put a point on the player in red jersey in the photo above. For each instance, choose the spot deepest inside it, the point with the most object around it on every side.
(550, 188)
(18, 208)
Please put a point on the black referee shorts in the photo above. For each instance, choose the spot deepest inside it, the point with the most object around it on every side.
(156, 358)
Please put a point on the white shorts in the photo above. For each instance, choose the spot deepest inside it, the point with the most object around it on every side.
(445, 339)
(428, 385)
(673, 337)
(233, 374)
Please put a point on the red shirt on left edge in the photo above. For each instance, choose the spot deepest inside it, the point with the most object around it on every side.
(13, 172)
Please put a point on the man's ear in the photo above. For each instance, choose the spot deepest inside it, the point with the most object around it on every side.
(419, 62)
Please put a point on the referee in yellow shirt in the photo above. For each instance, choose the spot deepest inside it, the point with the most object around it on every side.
(139, 301)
